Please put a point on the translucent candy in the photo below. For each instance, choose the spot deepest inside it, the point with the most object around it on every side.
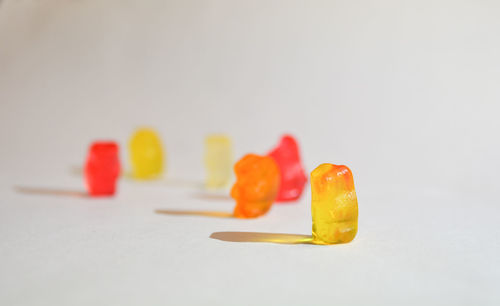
(146, 154)
(218, 161)
(293, 178)
(102, 168)
(256, 187)
(334, 205)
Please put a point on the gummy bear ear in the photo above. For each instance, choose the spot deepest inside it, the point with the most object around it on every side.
(288, 139)
(347, 175)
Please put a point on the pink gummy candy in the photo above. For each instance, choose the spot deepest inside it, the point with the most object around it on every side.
(102, 168)
(293, 178)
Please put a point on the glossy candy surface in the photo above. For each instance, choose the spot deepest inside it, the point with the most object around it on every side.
(146, 154)
(334, 205)
(102, 168)
(256, 187)
(218, 161)
(293, 178)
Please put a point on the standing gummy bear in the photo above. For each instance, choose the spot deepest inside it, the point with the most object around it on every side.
(102, 168)
(146, 154)
(293, 178)
(218, 160)
(256, 187)
(334, 205)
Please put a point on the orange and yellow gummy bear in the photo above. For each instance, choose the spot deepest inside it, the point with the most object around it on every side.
(334, 205)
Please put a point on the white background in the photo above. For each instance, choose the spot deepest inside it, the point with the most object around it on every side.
(406, 93)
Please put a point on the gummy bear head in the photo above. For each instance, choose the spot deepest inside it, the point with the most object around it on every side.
(287, 148)
(330, 179)
(103, 157)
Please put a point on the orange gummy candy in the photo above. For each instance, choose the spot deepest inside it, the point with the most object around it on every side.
(256, 187)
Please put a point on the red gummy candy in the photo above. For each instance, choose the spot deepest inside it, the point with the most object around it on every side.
(102, 168)
(293, 178)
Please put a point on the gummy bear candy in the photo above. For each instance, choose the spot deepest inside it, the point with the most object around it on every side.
(102, 168)
(256, 187)
(218, 161)
(146, 154)
(334, 205)
(293, 178)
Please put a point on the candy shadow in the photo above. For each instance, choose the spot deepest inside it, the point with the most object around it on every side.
(262, 237)
(128, 175)
(174, 182)
(51, 192)
(211, 196)
(214, 214)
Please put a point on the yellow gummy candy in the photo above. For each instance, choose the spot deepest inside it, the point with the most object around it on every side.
(146, 154)
(218, 161)
(334, 205)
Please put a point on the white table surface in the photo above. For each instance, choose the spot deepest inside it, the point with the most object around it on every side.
(404, 93)
(413, 247)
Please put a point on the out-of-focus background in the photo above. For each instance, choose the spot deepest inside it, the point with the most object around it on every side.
(406, 93)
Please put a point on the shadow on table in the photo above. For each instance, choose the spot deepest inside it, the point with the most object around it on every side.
(262, 237)
(214, 214)
(211, 196)
(51, 192)
(127, 174)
